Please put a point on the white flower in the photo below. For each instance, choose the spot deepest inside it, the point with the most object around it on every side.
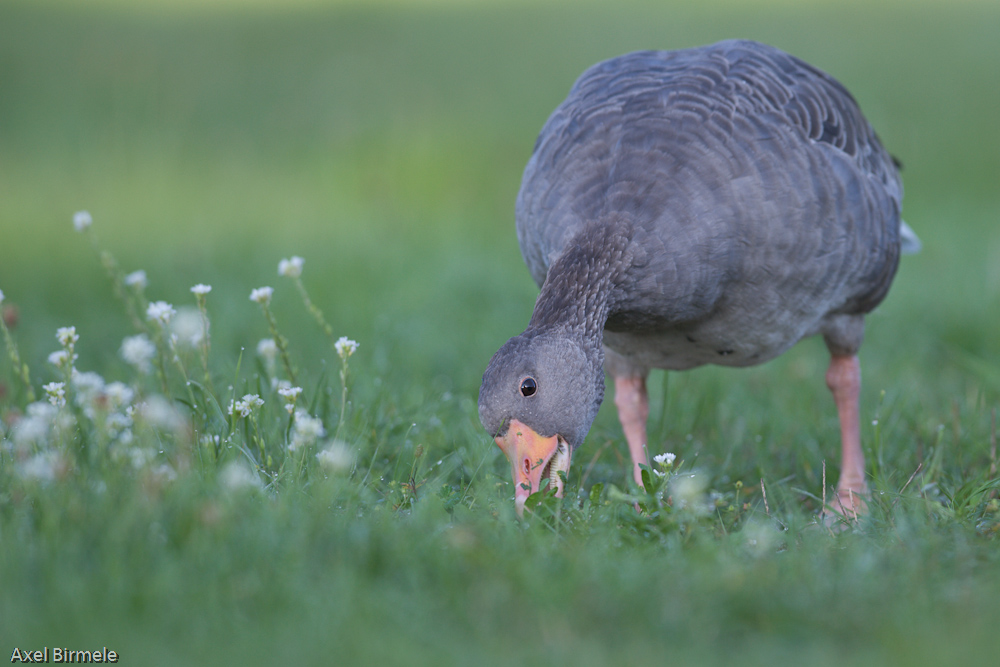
(137, 279)
(659, 473)
(162, 413)
(666, 459)
(160, 312)
(34, 427)
(67, 336)
(236, 476)
(762, 537)
(43, 467)
(118, 426)
(689, 492)
(201, 289)
(337, 457)
(291, 267)
(140, 456)
(188, 326)
(268, 349)
(163, 473)
(118, 394)
(82, 220)
(1, 296)
(306, 430)
(262, 295)
(89, 387)
(59, 358)
(345, 347)
(138, 351)
(246, 405)
(56, 392)
(290, 393)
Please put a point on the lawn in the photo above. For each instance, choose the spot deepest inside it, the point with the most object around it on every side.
(383, 142)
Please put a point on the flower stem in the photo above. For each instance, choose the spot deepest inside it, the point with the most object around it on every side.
(314, 310)
(20, 368)
(206, 341)
(280, 341)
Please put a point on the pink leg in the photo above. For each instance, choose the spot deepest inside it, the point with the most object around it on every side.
(633, 410)
(844, 380)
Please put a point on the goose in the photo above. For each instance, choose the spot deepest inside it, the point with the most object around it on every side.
(712, 205)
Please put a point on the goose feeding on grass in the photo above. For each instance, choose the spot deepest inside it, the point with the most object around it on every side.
(712, 205)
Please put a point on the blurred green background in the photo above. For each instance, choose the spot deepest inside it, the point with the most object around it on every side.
(384, 143)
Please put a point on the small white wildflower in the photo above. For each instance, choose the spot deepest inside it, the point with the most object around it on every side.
(162, 413)
(666, 459)
(659, 473)
(163, 473)
(268, 349)
(345, 347)
(43, 467)
(138, 351)
(290, 393)
(118, 394)
(245, 405)
(34, 427)
(56, 392)
(160, 312)
(262, 295)
(137, 279)
(82, 220)
(139, 457)
(188, 326)
(762, 537)
(336, 457)
(689, 492)
(236, 476)
(89, 388)
(292, 267)
(67, 336)
(60, 358)
(118, 424)
(201, 289)
(306, 430)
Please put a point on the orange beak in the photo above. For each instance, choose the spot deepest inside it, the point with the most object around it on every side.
(532, 459)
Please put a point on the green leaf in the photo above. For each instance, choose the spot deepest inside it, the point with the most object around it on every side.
(647, 481)
(595, 493)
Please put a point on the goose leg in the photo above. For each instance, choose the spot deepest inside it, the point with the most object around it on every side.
(632, 402)
(844, 380)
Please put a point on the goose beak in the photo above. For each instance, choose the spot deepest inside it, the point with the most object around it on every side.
(533, 458)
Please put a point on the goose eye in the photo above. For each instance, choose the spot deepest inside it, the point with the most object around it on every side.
(528, 386)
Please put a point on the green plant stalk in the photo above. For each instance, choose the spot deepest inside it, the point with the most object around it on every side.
(161, 352)
(281, 342)
(184, 375)
(116, 276)
(20, 368)
(314, 310)
(343, 397)
(206, 341)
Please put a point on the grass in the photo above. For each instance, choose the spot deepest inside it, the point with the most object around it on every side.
(384, 142)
